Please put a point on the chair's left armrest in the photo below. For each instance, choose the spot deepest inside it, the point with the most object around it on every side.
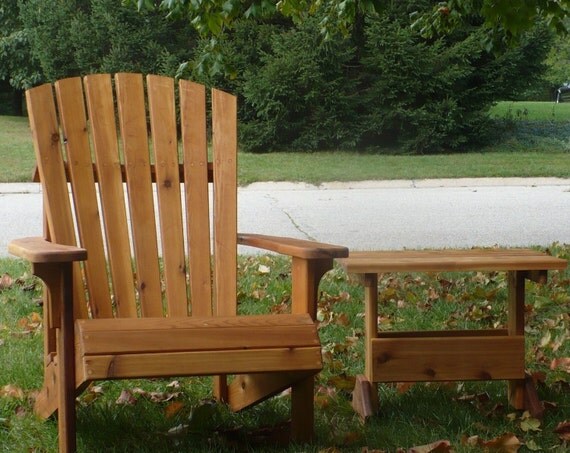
(298, 248)
(38, 250)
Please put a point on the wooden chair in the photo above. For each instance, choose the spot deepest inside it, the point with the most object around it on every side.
(121, 285)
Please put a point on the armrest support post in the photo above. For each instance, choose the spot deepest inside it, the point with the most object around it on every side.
(306, 275)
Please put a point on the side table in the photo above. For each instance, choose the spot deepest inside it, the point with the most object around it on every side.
(448, 355)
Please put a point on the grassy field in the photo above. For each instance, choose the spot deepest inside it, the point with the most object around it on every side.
(505, 160)
(16, 152)
(532, 111)
(468, 416)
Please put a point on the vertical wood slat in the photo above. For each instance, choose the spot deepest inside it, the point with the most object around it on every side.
(100, 105)
(47, 146)
(224, 143)
(194, 142)
(73, 119)
(165, 148)
(134, 134)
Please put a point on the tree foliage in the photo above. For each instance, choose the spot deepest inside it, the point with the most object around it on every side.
(502, 20)
(73, 37)
(385, 85)
(17, 65)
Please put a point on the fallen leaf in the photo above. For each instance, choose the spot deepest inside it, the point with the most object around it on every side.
(440, 446)
(562, 363)
(342, 382)
(403, 387)
(263, 269)
(11, 391)
(530, 424)
(126, 398)
(563, 430)
(507, 443)
(6, 282)
(173, 408)
(342, 320)
(533, 446)
(178, 431)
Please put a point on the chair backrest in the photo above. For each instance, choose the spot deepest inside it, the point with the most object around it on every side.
(116, 182)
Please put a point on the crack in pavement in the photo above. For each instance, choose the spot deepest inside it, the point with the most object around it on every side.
(274, 202)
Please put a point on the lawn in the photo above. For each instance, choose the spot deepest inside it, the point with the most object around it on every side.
(176, 414)
(532, 111)
(544, 157)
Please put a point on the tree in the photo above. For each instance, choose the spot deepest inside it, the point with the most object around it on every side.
(389, 87)
(75, 37)
(504, 21)
(17, 66)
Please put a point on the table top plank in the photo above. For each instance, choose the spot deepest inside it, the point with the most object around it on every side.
(450, 260)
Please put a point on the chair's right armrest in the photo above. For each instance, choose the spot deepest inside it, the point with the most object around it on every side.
(37, 250)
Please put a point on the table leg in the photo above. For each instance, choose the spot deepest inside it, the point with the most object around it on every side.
(522, 392)
(516, 300)
(365, 395)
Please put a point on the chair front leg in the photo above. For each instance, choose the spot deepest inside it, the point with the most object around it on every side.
(59, 281)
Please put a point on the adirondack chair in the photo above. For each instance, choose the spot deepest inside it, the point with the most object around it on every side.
(129, 296)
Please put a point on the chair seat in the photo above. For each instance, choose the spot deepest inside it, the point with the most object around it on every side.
(153, 347)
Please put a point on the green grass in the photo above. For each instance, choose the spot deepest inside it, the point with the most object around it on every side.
(532, 111)
(543, 157)
(16, 152)
(345, 166)
(408, 417)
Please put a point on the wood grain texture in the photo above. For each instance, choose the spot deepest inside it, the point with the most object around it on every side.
(71, 105)
(298, 248)
(194, 144)
(102, 119)
(202, 363)
(224, 145)
(134, 137)
(165, 149)
(450, 260)
(444, 359)
(195, 334)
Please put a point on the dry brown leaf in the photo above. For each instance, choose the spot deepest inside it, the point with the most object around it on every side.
(11, 391)
(342, 320)
(440, 446)
(126, 398)
(342, 382)
(562, 363)
(173, 408)
(563, 431)
(403, 387)
(507, 443)
(6, 282)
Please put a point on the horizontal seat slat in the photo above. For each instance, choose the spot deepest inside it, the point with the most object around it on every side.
(202, 363)
(127, 336)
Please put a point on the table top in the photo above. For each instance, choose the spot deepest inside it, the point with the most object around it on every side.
(495, 259)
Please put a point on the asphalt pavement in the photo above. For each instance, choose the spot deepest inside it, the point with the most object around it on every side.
(372, 215)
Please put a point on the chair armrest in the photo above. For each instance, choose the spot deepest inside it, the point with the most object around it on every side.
(297, 248)
(38, 250)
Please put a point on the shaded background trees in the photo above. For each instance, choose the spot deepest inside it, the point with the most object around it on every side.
(385, 83)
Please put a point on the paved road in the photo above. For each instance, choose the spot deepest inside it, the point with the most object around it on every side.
(373, 215)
